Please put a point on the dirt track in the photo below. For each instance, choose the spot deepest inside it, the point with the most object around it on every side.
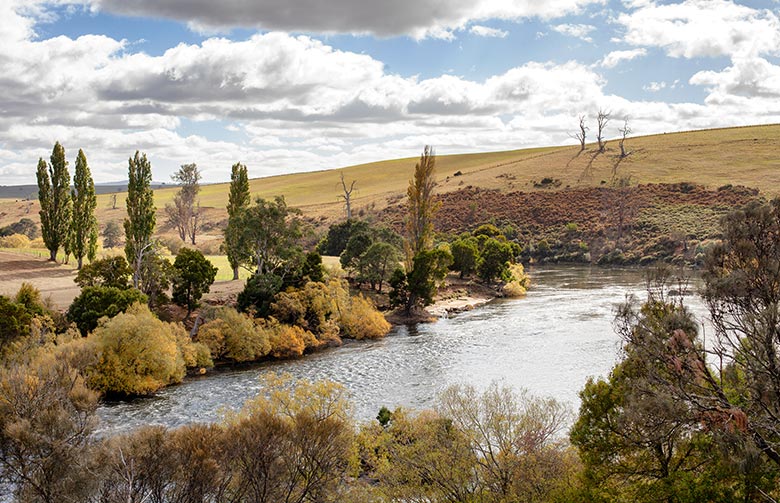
(53, 280)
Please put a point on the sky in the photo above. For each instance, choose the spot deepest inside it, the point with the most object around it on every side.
(297, 85)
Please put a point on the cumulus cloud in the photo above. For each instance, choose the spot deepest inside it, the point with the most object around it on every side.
(614, 58)
(295, 103)
(581, 31)
(702, 28)
(485, 31)
(417, 18)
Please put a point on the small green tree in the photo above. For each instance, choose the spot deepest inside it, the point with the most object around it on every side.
(84, 226)
(140, 221)
(112, 235)
(55, 200)
(494, 259)
(110, 271)
(465, 253)
(193, 277)
(429, 270)
(270, 230)
(238, 202)
(378, 263)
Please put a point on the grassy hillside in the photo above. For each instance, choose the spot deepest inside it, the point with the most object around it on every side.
(741, 156)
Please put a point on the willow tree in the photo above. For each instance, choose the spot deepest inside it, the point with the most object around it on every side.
(238, 201)
(84, 226)
(54, 197)
(140, 221)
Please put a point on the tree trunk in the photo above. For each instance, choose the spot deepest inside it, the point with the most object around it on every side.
(235, 273)
(52, 255)
(81, 260)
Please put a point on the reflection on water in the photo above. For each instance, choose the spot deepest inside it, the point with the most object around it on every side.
(549, 342)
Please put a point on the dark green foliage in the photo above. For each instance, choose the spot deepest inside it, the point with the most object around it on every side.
(193, 277)
(270, 231)
(465, 252)
(399, 293)
(110, 271)
(94, 302)
(338, 236)
(488, 230)
(258, 294)
(24, 226)
(429, 270)
(312, 268)
(156, 274)
(55, 200)
(377, 263)
(494, 259)
(238, 202)
(84, 226)
(385, 416)
(356, 246)
(112, 235)
(140, 221)
(14, 321)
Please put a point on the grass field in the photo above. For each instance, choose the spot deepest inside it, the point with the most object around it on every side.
(740, 156)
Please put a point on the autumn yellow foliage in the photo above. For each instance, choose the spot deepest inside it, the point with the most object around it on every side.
(231, 335)
(518, 285)
(360, 320)
(139, 354)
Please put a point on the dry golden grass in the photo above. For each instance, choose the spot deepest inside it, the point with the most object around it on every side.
(740, 156)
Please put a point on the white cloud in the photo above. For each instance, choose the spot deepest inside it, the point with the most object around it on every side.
(654, 87)
(485, 31)
(703, 28)
(296, 103)
(614, 58)
(581, 31)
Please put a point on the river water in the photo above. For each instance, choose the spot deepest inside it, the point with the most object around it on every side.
(549, 342)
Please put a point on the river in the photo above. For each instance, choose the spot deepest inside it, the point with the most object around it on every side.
(548, 342)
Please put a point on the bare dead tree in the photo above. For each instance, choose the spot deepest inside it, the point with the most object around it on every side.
(602, 120)
(347, 196)
(625, 131)
(580, 136)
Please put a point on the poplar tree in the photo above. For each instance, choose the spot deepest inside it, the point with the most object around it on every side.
(84, 227)
(140, 221)
(54, 197)
(421, 205)
(238, 201)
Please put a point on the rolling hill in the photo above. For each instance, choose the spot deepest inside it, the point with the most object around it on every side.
(748, 156)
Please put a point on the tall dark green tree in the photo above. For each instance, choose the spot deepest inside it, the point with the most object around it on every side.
(54, 197)
(270, 231)
(238, 202)
(84, 226)
(140, 221)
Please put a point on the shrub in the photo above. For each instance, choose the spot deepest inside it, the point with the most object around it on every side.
(139, 354)
(361, 320)
(519, 282)
(288, 341)
(38, 244)
(230, 335)
(15, 241)
(95, 302)
(310, 308)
